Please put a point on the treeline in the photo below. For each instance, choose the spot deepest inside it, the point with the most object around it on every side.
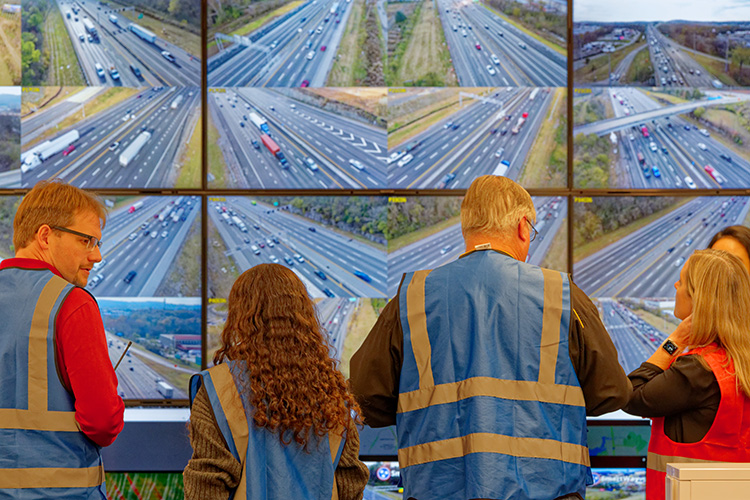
(233, 14)
(185, 13)
(417, 213)
(151, 323)
(591, 161)
(533, 17)
(604, 215)
(33, 65)
(364, 216)
(8, 206)
(373, 63)
(10, 142)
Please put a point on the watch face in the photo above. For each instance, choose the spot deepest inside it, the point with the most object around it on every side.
(670, 347)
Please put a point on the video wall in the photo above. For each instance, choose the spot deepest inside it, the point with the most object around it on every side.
(337, 138)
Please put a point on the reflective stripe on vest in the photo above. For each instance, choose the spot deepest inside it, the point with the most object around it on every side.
(263, 445)
(727, 440)
(39, 411)
(459, 415)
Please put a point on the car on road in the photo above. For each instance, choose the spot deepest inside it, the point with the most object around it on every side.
(310, 55)
(362, 275)
(479, 47)
(656, 171)
(129, 277)
(299, 258)
(168, 56)
(631, 137)
(305, 83)
(686, 127)
(242, 124)
(288, 260)
(725, 157)
(255, 144)
(679, 262)
(69, 150)
(448, 125)
(494, 59)
(714, 173)
(320, 274)
(688, 242)
(327, 291)
(395, 156)
(310, 163)
(704, 132)
(132, 236)
(95, 280)
(323, 48)
(665, 151)
(455, 126)
(164, 234)
(447, 178)
(652, 147)
(445, 249)
(702, 146)
(689, 182)
(274, 259)
(499, 152)
(114, 145)
(646, 172)
(491, 70)
(406, 159)
(522, 45)
(503, 130)
(356, 164)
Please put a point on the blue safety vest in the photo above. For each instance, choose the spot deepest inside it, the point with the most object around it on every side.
(270, 470)
(489, 403)
(43, 453)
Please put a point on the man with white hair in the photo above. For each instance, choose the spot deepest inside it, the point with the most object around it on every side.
(488, 366)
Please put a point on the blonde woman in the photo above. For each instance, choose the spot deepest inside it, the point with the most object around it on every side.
(698, 399)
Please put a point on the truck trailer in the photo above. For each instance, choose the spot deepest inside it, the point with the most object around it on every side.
(38, 154)
(90, 29)
(134, 148)
(165, 389)
(260, 122)
(274, 149)
(176, 103)
(142, 33)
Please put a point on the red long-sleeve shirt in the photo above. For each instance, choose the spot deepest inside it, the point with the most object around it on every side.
(83, 361)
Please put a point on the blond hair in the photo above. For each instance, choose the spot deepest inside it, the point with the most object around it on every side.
(55, 203)
(495, 205)
(719, 286)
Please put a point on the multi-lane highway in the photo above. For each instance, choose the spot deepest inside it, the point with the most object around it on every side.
(634, 339)
(96, 160)
(295, 50)
(487, 50)
(124, 58)
(672, 152)
(446, 245)
(334, 316)
(647, 262)
(329, 263)
(672, 66)
(321, 149)
(485, 137)
(136, 379)
(140, 246)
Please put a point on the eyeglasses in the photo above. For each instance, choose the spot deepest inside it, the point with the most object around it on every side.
(533, 236)
(92, 242)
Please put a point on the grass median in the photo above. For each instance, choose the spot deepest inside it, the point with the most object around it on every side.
(598, 68)
(190, 162)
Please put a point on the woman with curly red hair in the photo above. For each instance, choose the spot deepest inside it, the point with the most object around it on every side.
(274, 418)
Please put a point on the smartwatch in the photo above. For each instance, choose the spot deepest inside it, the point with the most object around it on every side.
(670, 347)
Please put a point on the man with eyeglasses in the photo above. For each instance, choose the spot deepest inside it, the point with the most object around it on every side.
(488, 365)
(59, 402)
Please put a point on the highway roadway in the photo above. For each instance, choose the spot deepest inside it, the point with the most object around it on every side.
(474, 34)
(679, 150)
(301, 131)
(634, 339)
(94, 163)
(473, 141)
(322, 258)
(448, 244)
(116, 46)
(673, 65)
(295, 50)
(646, 263)
(334, 316)
(136, 379)
(129, 245)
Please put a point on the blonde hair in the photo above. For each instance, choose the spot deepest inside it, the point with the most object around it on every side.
(719, 286)
(55, 203)
(495, 205)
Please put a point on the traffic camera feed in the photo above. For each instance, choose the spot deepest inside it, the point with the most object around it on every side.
(147, 286)
(97, 43)
(628, 253)
(10, 135)
(99, 137)
(297, 138)
(425, 233)
(671, 43)
(319, 43)
(335, 245)
(445, 138)
(660, 138)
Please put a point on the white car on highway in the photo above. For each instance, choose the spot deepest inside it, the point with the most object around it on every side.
(495, 59)
(395, 156)
(702, 146)
(406, 159)
(490, 70)
(689, 182)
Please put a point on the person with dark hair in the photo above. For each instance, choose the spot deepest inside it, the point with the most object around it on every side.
(59, 403)
(488, 365)
(735, 240)
(273, 419)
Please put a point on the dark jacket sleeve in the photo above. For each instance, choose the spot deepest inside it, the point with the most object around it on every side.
(376, 366)
(605, 386)
(351, 474)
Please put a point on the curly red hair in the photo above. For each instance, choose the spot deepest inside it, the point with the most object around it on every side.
(295, 385)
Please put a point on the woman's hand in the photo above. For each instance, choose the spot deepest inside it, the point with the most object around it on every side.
(681, 334)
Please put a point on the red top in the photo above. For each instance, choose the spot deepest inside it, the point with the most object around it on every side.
(728, 439)
(83, 360)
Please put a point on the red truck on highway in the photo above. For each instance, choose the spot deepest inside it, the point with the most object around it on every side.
(274, 149)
